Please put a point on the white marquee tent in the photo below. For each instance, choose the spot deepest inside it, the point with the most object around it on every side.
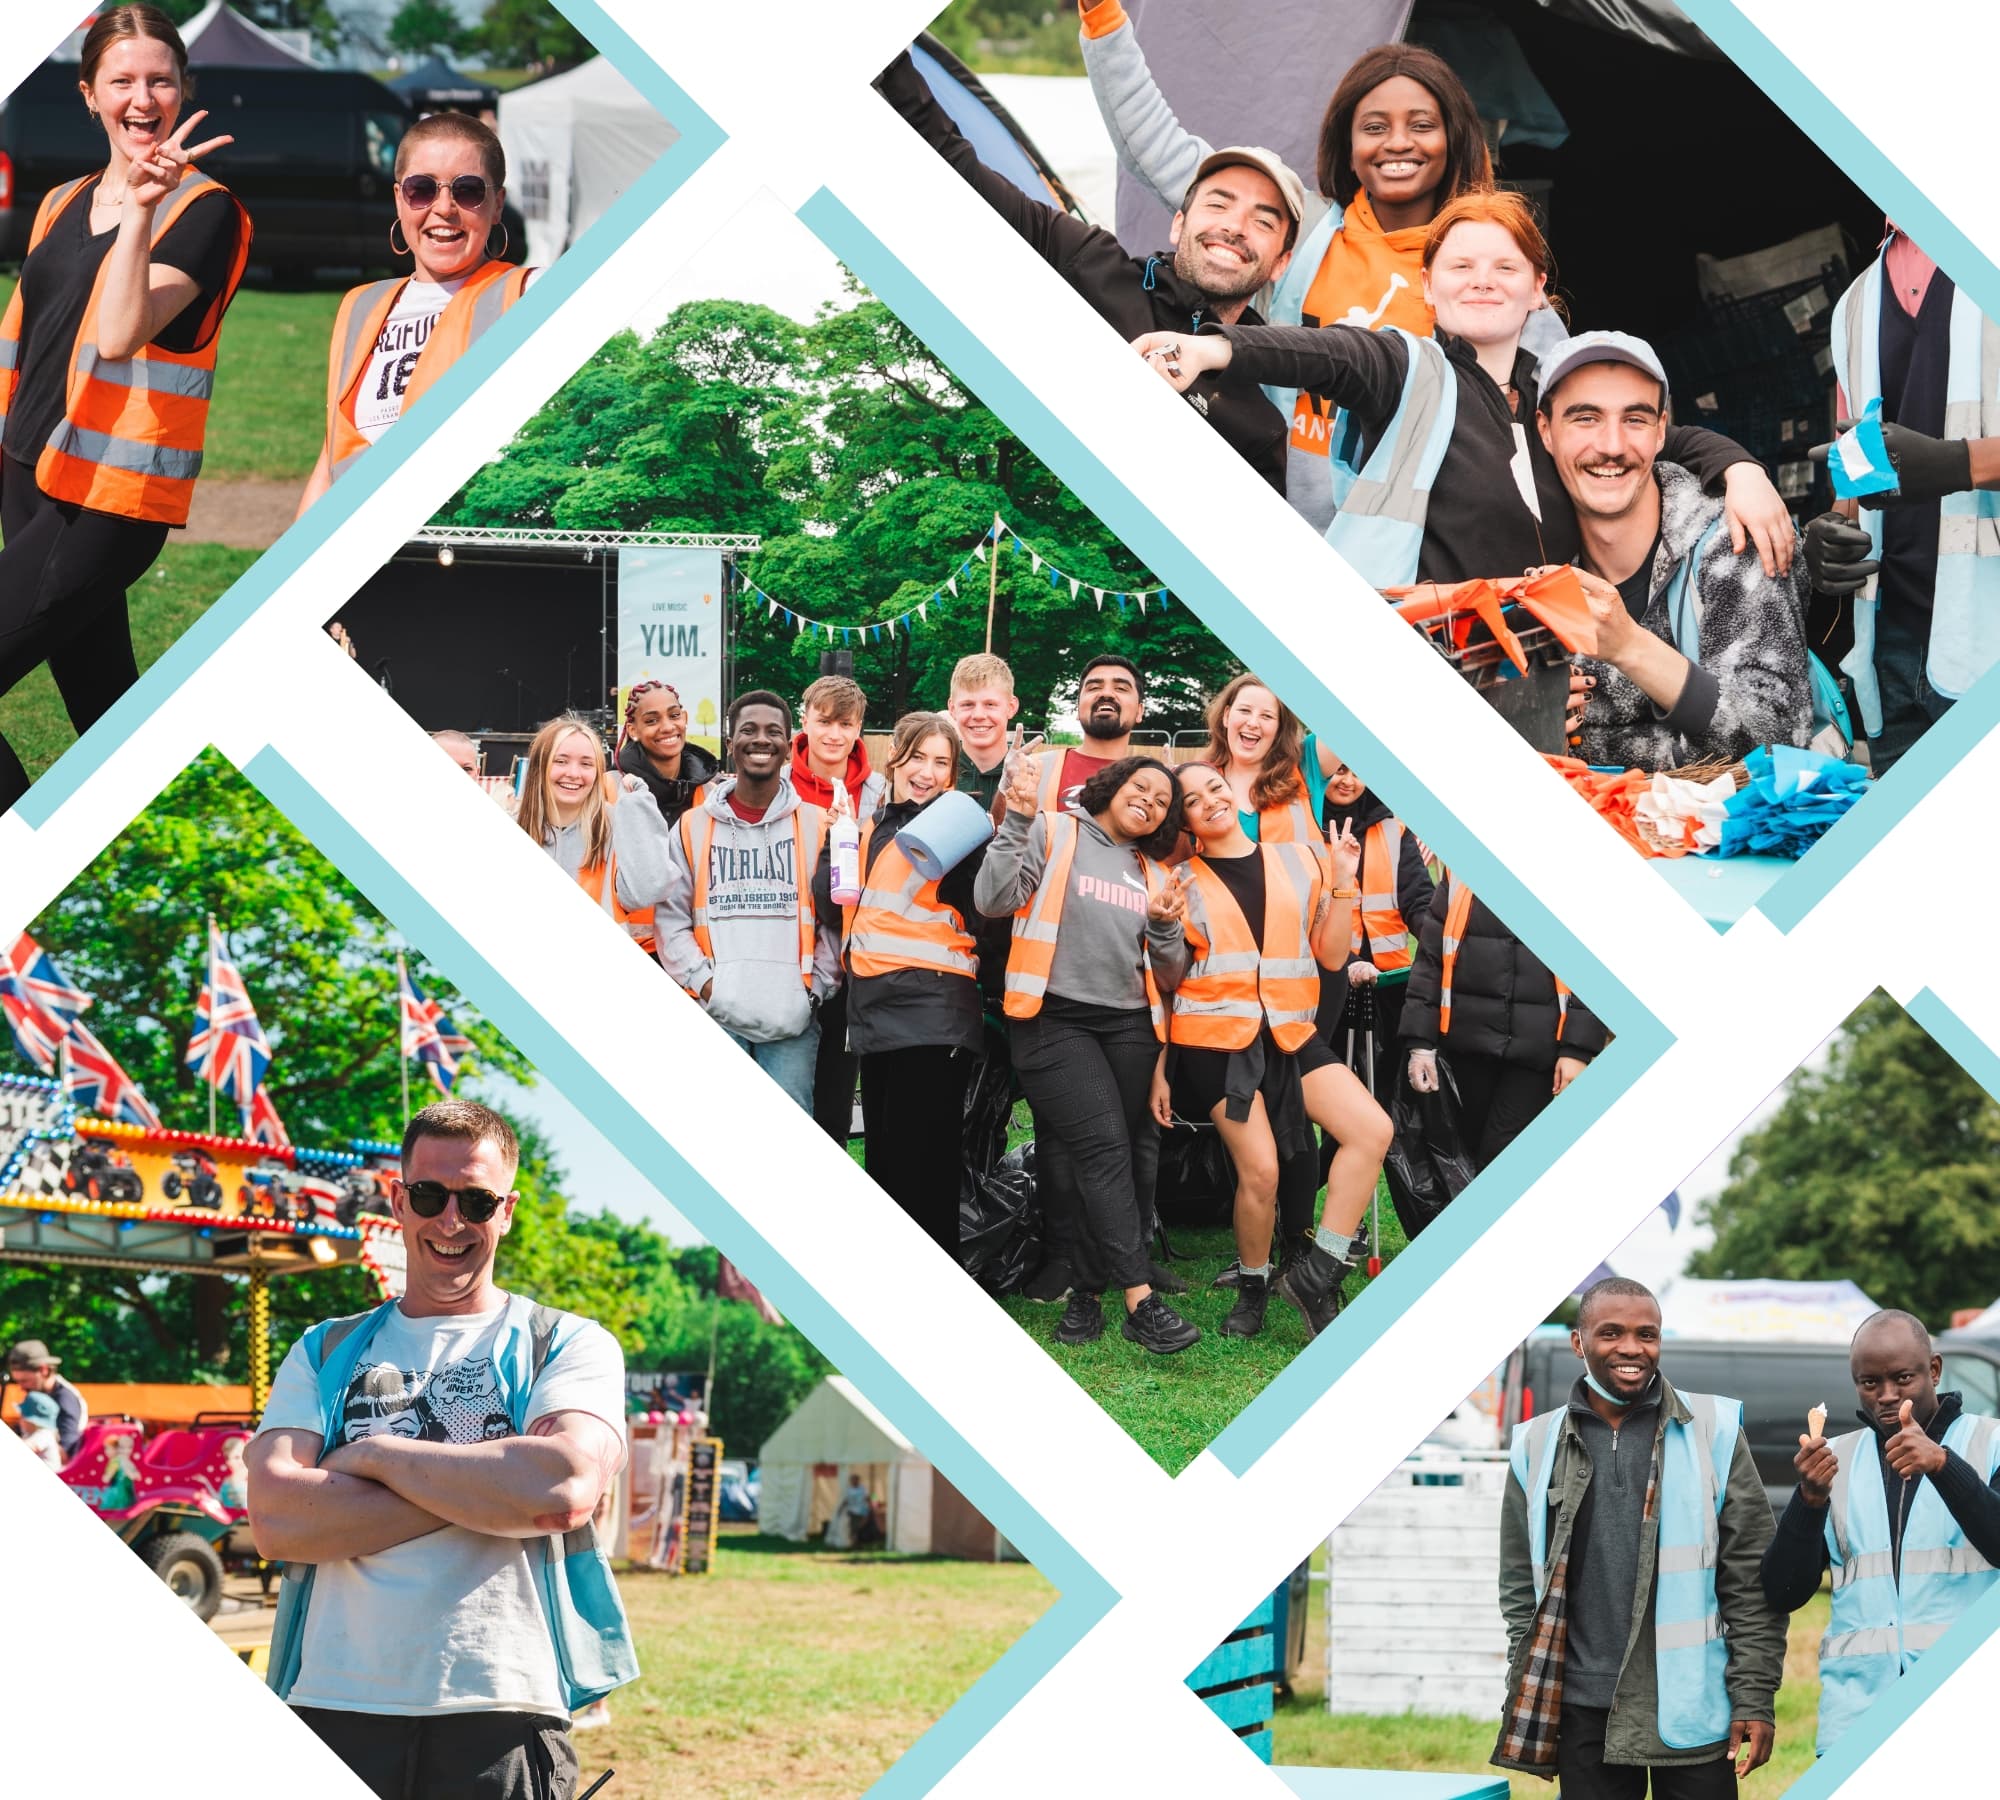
(574, 143)
(805, 1464)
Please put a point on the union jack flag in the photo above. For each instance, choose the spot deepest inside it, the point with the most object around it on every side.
(427, 1034)
(94, 1080)
(40, 1003)
(265, 1126)
(228, 1050)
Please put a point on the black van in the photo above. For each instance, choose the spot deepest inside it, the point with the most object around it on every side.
(312, 159)
(1777, 1383)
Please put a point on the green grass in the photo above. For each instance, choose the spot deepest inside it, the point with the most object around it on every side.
(799, 1672)
(175, 592)
(1303, 1732)
(268, 415)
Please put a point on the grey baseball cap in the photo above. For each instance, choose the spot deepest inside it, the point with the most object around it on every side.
(1269, 161)
(1598, 347)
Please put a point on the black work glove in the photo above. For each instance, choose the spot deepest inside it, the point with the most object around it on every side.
(1839, 559)
(1927, 468)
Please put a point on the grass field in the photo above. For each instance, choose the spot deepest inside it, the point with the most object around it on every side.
(270, 385)
(178, 589)
(1304, 1732)
(797, 1672)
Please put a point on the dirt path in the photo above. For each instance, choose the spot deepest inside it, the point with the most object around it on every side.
(245, 515)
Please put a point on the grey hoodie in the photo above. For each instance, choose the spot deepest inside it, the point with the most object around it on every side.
(753, 909)
(638, 847)
(1098, 957)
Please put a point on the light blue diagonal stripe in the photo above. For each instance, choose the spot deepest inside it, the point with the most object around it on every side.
(699, 139)
(1085, 1596)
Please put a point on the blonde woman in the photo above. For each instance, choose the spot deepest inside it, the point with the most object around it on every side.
(570, 805)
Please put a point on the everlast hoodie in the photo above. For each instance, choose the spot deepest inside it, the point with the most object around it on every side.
(753, 913)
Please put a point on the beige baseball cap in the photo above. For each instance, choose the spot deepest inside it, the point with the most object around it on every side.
(1269, 161)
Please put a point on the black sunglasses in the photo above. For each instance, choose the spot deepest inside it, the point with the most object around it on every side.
(422, 190)
(475, 1204)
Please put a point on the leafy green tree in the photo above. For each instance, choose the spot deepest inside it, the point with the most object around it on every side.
(1881, 1167)
(529, 34)
(872, 475)
(425, 27)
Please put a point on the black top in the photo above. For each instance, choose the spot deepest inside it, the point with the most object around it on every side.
(1604, 1543)
(1134, 294)
(1915, 353)
(1797, 1556)
(676, 796)
(1478, 523)
(56, 280)
(1636, 589)
(1243, 876)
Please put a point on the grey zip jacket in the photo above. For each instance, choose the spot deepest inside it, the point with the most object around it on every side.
(753, 918)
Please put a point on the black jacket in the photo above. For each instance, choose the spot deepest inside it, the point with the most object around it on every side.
(1797, 1556)
(908, 1009)
(1134, 294)
(1503, 998)
(1476, 524)
(674, 797)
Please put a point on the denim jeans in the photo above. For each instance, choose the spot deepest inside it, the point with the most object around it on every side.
(1910, 705)
(789, 1062)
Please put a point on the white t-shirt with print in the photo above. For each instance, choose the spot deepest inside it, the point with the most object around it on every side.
(378, 401)
(451, 1622)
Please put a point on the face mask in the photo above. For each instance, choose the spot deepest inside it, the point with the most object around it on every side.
(1596, 1387)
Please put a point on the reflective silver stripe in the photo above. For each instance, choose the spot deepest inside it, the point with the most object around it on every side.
(1866, 1567)
(125, 454)
(1688, 1634)
(487, 307)
(1538, 1442)
(1396, 497)
(1843, 1449)
(358, 319)
(1219, 1009)
(1875, 1640)
(10, 352)
(1290, 968)
(1968, 534)
(1703, 1408)
(1381, 946)
(1020, 982)
(1961, 418)
(151, 377)
(1963, 1560)
(1979, 1440)
(1037, 931)
(1226, 962)
(909, 950)
(698, 918)
(1685, 1559)
(1856, 338)
(1922, 1637)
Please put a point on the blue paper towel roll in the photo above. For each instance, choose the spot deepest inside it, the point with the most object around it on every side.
(945, 834)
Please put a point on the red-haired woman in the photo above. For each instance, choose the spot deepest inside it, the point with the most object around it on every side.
(107, 361)
(1454, 480)
(392, 339)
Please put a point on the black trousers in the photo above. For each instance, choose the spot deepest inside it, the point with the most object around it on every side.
(1583, 1774)
(833, 1073)
(63, 576)
(913, 1111)
(1088, 1073)
(470, 1756)
(1498, 1100)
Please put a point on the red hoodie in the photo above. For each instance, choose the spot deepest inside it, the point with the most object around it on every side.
(814, 790)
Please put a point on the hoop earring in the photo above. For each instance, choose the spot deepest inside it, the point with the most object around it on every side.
(402, 249)
(493, 255)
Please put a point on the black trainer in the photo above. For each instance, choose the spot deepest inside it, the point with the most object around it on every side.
(1165, 1281)
(1082, 1320)
(1050, 1283)
(1246, 1317)
(1155, 1325)
(1311, 1281)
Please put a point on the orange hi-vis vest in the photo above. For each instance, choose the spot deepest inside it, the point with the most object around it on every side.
(471, 312)
(1048, 780)
(808, 836)
(1378, 915)
(601, 884)
(1457, 913)
(131, 435)
(900, 923)
(1238, 977)
(1033, 952)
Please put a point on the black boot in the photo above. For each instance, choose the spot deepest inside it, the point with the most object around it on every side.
(1155, 1325)
(1310, 1280)
(1082, 1320)
(1246, 1317)
(1231, 1276)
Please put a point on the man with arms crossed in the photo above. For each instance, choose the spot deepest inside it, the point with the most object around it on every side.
(425, 1658)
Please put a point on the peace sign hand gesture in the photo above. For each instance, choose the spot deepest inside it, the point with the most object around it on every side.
(1169, 905)
(1021, 787)
(1345, 853)
(153, 177)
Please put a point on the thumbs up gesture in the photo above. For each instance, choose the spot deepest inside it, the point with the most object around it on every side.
(1912, 1451)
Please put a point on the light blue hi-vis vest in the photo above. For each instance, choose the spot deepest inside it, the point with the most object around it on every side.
(1881, 1626)
(1965, 606)
(1380, 525)
(1832, 729)
(1692, 1654)
(586, 1617)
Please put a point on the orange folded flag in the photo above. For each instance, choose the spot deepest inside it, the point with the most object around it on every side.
(1614, 796)
(1454, 605)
